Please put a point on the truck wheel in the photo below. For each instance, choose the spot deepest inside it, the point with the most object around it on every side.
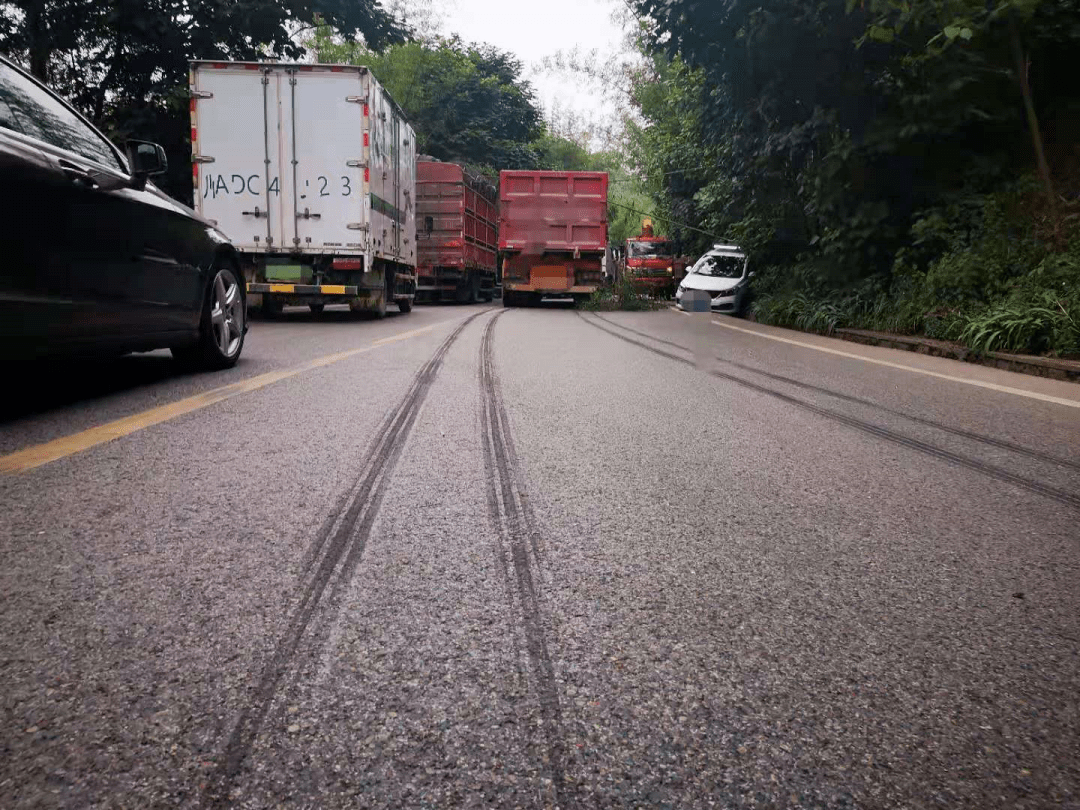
(509, 299)
(221, 328)
(405, 305)
(317, 308)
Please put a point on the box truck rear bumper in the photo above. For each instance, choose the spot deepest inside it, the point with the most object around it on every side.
(304, 289)
(308, 294)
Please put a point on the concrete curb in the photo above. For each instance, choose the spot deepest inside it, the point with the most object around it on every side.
(1068, 370)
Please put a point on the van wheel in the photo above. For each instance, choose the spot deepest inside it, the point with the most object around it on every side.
(221, 328)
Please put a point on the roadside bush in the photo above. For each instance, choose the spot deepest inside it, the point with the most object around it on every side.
(620, 296)
(974, 271)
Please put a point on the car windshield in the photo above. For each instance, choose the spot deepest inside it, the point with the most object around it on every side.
(648, 250)
(720, 266)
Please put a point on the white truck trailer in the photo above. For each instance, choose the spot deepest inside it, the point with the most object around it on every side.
(311, 171)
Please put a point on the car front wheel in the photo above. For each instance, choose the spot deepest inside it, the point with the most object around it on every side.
(222, 326)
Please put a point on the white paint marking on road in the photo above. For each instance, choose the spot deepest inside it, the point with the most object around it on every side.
(680, 311)
(31, 457)
(1005, 389)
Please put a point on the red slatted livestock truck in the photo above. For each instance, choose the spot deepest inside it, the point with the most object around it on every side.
(456, 213)
(311, 171)
(552, 234)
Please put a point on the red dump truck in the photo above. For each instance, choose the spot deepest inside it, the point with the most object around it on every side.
(552, 234)
(456, 213)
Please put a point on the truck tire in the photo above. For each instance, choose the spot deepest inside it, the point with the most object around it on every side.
(222, 326)
(405, 305)
(509, 299)
(316, 309)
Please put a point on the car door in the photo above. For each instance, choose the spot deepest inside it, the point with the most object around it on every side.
(116, 251)
(39, 304)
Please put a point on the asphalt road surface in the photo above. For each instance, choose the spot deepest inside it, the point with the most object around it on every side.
(474, 557)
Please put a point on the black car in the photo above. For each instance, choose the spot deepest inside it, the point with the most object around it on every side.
(95, 258)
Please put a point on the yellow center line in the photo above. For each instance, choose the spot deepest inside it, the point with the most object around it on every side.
(1005, 389)
(36, 456)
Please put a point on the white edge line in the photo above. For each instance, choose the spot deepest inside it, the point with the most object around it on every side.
(1069, 403)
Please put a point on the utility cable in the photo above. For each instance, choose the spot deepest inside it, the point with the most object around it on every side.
(662, 219)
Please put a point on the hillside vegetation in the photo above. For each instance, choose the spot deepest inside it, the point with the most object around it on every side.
(905, 167)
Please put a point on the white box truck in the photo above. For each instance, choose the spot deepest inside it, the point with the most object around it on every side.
(311, 171)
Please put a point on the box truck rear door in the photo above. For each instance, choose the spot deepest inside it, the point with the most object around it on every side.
(327, 124)
(239, 151)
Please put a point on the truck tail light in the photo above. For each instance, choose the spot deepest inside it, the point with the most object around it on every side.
(348, 264)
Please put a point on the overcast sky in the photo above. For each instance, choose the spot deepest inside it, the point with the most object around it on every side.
(535, 29)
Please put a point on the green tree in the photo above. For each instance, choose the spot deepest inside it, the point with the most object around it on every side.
(971, 33)
(467, 103)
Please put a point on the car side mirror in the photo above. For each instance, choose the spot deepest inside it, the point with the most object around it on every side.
(146, 160)
(750, 274)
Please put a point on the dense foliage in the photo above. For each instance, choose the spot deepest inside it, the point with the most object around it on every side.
(909, 166)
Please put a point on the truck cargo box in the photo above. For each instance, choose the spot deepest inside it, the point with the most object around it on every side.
(543, 212)
(552, 233)
(456, 213)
